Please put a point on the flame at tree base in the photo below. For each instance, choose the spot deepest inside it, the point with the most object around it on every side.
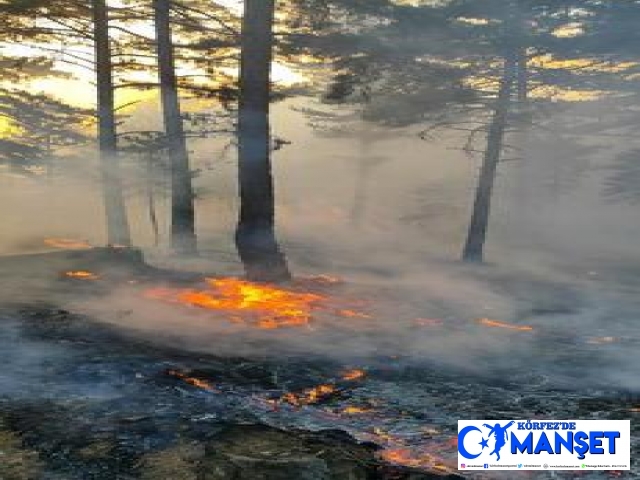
(263, 306)
(81, 275)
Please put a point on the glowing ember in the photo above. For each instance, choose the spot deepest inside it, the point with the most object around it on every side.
(67, 243)
(635, 409)
(434, 455)
(355, 374)
(409, 458)
(264, 306)
(494, 323)
(353, 410)
(271, 307)
(309, 396)
(81, 275)
(196, 382)
(319, 393)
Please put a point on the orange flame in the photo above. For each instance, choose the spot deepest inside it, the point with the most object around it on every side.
(354, 410)
(408, 458)
(309, 396)
(81, 275)
(196, 382)
(67, 243)
(267, 307)
(320, 393)
(271, 306)
(434, 455)
(355, 374)
(494, 323)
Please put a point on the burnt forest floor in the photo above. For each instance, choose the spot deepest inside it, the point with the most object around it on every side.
(86, 398)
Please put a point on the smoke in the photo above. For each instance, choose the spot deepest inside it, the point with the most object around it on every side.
(537, 327)
(387, 212)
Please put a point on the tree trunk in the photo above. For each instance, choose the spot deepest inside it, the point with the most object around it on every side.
(151, 198)
(473, 249)
(116, 215)
(255, 233)
(183, 236)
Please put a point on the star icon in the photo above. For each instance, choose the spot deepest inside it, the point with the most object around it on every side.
(484, 443)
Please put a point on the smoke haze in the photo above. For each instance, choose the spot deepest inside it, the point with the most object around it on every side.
(560, 257)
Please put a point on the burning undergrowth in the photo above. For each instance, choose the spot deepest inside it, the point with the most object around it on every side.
(396, 366)
(263, 306)
(328, 317)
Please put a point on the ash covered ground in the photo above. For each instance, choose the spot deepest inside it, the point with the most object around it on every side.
(100, 381)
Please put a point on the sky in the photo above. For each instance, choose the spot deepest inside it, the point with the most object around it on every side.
(80, 90)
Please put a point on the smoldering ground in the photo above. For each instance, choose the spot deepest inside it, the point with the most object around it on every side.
(499, 326)
(564, 268)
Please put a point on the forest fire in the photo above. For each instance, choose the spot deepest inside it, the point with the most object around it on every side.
(81, 275)
(263, 306)
(67, 244)
(494, 323)
(311, 240)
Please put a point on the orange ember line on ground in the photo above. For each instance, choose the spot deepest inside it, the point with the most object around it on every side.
(436, 456)
(196, 382)
(272, 307)
(81, 275)
(309, 396)
(355, 374)
(354, 410)
(67, 243)
(321, 392)
(494, 323)
(407, 458)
